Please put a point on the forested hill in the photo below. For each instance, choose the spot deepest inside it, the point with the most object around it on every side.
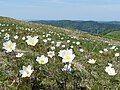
(93, 27)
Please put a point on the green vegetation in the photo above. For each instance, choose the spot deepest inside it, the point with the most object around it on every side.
(113, 35)
(92, 27)
(84, 75)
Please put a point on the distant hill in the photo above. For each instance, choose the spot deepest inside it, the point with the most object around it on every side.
(93, 27)
(112, 22)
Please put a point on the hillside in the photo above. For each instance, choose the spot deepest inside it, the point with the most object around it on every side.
(44, 57)
(93, 27)
(113, 35)
(113, 22)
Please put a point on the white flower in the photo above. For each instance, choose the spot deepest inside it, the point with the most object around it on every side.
(51, 54)
(91, 61)
(61, 53)
(7, 36)
(19, 55)
(42, 59)
(15, 37)
(52, 48)
(23, 38)
(43, 35)
(71, 46)
(44, 40)
(67, 68)
(113, 47)
(73, 42)
(81, 50)
(58, 44)
(27, 71)
(63, 46)
(110, 70)
(100, 51)
(67, 55)
(78, 43)
(47, 35)
(117, 54)
(32, 40)
(106, 50)
(53, 42)
(68, 41)
(9, 46)
(49, 39)
(62, 38)
(2, 30)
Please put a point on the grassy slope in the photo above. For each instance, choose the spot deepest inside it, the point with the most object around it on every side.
(90, 76)
(113, 35)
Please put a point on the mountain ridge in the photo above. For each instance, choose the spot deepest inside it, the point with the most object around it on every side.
(92, 27)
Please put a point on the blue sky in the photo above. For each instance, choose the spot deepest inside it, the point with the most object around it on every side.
(100, 10)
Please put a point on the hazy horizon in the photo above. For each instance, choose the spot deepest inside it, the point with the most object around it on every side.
(86, 10)
(67, 19)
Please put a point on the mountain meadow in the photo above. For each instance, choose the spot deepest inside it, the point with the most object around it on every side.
(59, 55)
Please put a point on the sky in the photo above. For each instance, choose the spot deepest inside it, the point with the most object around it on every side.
(98, 10)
